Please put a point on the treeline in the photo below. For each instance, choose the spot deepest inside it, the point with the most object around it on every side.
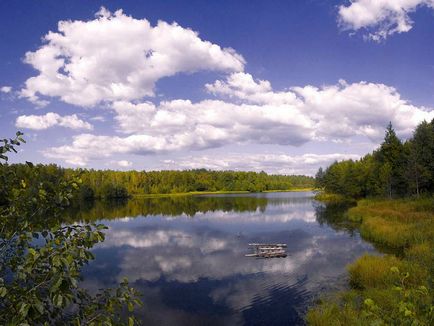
(120, 184)
(166, 182)
(395, 169)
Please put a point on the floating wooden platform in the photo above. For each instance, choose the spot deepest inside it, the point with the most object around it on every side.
(282, 245)
(268, 250)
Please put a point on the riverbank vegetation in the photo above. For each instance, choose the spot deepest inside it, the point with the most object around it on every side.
(330, 198)
(394, 289)
(398, 218)
(111, 184)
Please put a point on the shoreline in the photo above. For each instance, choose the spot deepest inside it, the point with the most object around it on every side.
(200, 193)
(390, 225)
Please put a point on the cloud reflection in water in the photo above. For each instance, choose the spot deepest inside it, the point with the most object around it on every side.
(192, 270)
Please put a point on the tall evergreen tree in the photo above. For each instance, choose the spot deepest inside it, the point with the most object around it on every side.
(422, 151)
(391, 155)
(394, 169)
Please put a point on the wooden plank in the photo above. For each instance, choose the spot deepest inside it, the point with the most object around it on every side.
(268, 244)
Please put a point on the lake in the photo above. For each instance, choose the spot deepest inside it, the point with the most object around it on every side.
(186, 255)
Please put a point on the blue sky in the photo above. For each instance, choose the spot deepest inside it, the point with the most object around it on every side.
(282, 86)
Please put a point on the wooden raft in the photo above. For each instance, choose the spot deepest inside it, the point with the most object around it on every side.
(268, 250)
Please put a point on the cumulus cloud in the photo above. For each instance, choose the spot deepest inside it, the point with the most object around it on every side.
(334, 111)
(123, 163)
(381, 18)
(98, 118)
(6, 89)
(118, 57)
(242, 86)
(51, 119)
(252, 113)
(306, 164)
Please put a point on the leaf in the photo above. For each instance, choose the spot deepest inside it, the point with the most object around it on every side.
(58, 300)
(56, 284)
(3, 292)
(39, 307)
(24, 309)
(130, 321)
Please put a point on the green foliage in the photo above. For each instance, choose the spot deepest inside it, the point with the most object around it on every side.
(41, 259)
(388, 290)
(110, 191)
(118, 184)
(393, 302)
(395, 169)
(108, 182)
(398, 224)
(331, 198)
(381, 293)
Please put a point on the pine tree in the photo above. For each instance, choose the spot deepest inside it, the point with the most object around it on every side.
(391, 155)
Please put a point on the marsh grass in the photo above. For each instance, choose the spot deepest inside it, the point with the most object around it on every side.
(387, 290)
(333, 198)
(395, 223)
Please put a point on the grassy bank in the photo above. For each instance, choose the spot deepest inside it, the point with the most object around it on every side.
(196, 193)
(389, 289)
(291, 190)
(333, 198)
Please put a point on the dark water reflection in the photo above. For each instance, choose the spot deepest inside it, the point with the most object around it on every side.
(186, 255)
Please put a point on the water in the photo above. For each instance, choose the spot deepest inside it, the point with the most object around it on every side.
(186, 256)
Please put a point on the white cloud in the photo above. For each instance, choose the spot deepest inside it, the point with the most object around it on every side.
(123, 163)
(334, 111)
(98, 118)
(255, 114)
(6, 89)
(213, 123)
(242, 86)
(118, 57)
(381, 18)
(87, 147)
(306, 164)
(271, 163)
(51, 119)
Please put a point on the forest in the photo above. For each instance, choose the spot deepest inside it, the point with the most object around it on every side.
(119, 184)
(394, 210)
(395, 169)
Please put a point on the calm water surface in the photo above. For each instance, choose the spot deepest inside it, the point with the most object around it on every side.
(186, 256)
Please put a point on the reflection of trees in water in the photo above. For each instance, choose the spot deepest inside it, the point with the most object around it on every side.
(334, 215)
(169, 206)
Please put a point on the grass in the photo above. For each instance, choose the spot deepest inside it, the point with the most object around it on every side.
(396, 224)
(332, 198)
(291, 190)
(389, 289)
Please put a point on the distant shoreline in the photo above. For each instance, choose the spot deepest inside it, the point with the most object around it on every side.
(198, 193)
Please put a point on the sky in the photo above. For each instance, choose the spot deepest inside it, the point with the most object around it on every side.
(278, 86)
